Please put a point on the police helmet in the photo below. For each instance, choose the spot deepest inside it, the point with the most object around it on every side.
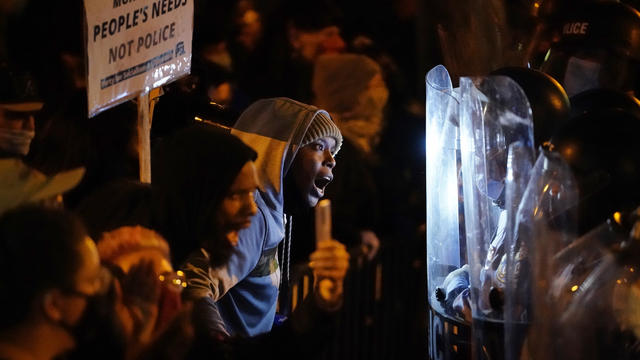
(601, 146)
(597, 45)
(589, 100)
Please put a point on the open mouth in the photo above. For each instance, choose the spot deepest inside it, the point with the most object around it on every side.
(321, 182)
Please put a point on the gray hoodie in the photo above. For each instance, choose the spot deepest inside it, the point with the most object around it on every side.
(246, 289)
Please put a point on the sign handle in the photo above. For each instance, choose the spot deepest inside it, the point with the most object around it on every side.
(144, 137)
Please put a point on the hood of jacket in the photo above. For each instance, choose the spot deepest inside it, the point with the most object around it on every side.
(192, 172)
(274, 128)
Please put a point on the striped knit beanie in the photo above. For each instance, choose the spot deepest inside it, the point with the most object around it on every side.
(321, 126)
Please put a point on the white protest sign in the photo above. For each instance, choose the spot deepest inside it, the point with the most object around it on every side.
(134, 46)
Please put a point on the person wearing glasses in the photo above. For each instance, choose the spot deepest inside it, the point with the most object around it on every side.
(53, 288)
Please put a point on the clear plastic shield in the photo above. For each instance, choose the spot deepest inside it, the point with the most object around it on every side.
(519, 170)
(544, 225)
(496, 132)
(446, 258)
(442, 153)
(583, 292)
(592, 296)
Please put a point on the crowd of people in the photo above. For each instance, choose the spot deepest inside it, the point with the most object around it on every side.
(287, 102)
(199, 262)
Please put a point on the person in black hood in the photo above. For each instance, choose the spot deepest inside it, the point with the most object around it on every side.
(192, 172)
(202, 195)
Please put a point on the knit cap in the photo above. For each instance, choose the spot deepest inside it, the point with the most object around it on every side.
(128, 239)
(321, 126)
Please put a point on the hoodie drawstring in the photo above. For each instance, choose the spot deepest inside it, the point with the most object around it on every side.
(285, 258)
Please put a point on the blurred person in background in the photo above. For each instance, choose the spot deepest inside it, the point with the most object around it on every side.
(105, 145)
(295, 34)
(155, 322)
(151, 288)
(19, 183)
(400, 151)
(19, 102)
(58, 63)
(351, 88)
(209, 92)
(54, 292)
(249, 25)
(399, 147)
(65, 138)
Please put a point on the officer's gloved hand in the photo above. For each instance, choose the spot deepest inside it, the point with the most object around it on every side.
(454, 293)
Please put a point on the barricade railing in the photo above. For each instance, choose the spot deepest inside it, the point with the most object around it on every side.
(378, 316)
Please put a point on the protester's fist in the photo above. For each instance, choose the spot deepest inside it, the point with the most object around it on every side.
(141, 283)
(141, 291)
(329, 263)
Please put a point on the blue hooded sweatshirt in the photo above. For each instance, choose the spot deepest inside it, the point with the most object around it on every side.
(246, 289)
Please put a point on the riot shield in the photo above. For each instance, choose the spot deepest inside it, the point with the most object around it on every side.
(587, 306)
(584, 291)
(519, 171)
(545, 223)
(594, 295)
(449, 331)
(496, 132)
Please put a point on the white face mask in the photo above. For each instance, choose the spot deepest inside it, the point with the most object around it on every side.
(371, 103)
(16, 141)
(581, 75)
(377, 98)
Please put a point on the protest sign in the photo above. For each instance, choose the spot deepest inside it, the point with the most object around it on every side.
(134, 46)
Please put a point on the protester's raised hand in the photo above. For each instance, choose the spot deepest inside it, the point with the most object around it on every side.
(141, 283)
(141, 290)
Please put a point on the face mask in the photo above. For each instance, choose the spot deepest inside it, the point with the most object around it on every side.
(581, 75)
(378, 97)
(98, 333)
(364, 124)
(16, 141)
(372, 102)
